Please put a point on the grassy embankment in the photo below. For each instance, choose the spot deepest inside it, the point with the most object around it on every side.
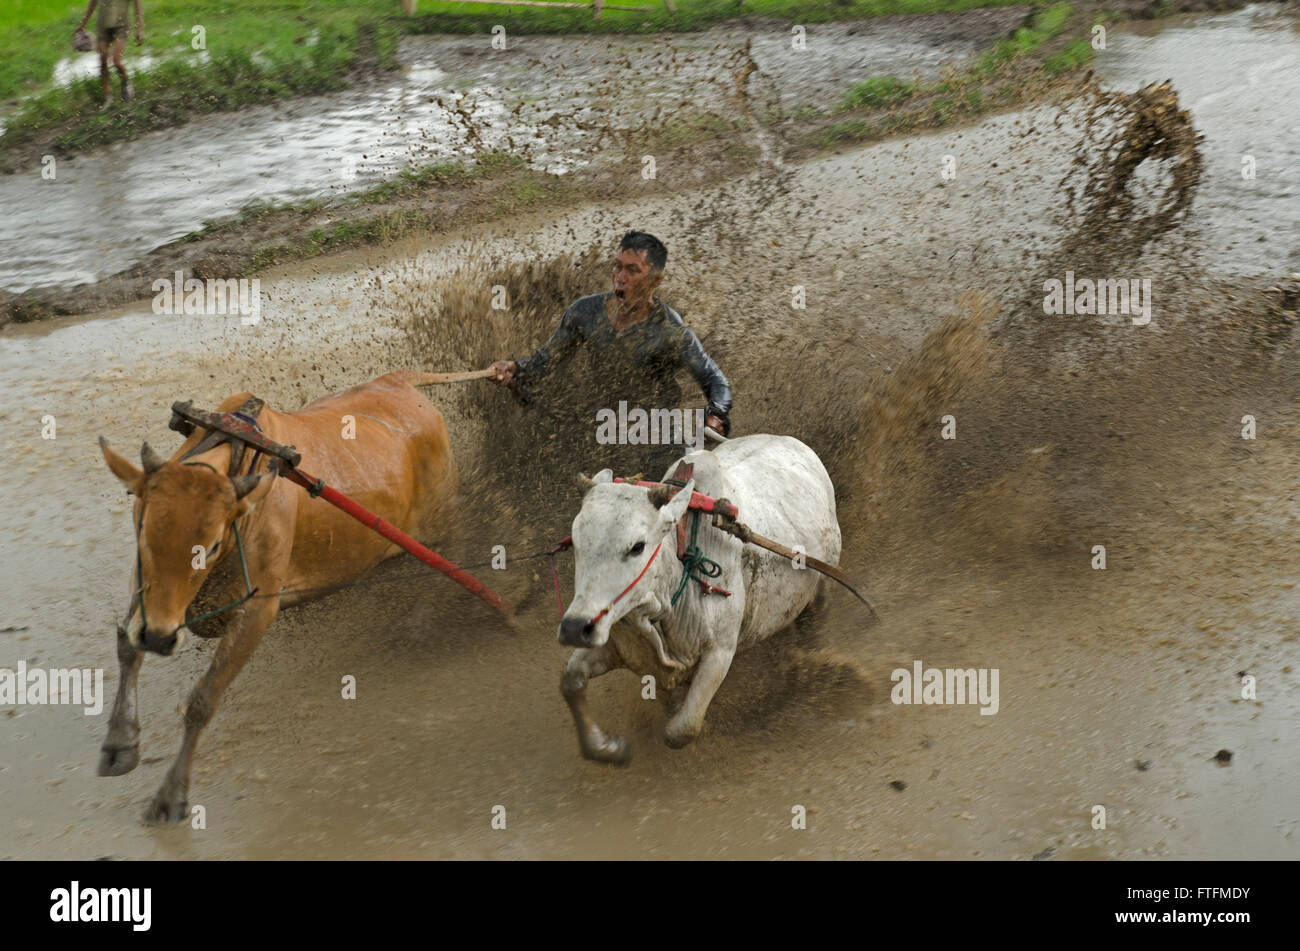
(1056, 42)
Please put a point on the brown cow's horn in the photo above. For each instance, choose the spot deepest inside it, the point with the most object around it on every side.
(151, 460)
(245, 484)
(585, 481)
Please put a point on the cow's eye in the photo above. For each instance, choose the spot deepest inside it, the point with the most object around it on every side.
(213, 550)
(636, 549)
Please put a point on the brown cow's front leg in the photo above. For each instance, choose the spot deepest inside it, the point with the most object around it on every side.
(583, 665)
(121, 750)
(245, 631)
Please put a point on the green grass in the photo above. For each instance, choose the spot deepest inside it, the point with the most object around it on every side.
(255, 52)
(413, 179)
(848, 130)
(310, 37)
(1027, 38)
(1004, 75)
(877, 92)
(690, 15)
(34, 36)
(1073, 56)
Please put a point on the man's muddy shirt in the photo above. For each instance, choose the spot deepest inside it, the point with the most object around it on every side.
(112, 14)
(638, 364)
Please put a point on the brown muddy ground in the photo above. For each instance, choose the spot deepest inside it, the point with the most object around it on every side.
(1072, 432)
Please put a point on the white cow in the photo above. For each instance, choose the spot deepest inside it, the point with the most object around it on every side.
(781, 490)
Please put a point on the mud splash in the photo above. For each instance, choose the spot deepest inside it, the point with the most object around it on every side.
(1118, 212)
(1048, 460)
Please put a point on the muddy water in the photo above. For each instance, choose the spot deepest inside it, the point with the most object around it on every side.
(123, 201)
(981, 559)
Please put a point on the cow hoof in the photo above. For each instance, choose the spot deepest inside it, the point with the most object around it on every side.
(613, 749)
(678, 740)
(119, 760)
(165, 809)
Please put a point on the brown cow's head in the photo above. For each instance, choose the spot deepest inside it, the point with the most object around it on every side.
(183, 516)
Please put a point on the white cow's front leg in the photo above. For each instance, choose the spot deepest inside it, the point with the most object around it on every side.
(686, 724)
(584, 664)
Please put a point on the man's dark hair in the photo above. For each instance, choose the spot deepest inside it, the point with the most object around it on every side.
(655, 251)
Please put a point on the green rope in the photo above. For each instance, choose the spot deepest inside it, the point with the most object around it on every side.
(694, 560)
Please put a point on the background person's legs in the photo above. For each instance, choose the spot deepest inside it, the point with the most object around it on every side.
(105, 83)
(119, 47)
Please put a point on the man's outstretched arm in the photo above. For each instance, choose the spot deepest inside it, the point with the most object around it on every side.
(567, 336)
(710, 377)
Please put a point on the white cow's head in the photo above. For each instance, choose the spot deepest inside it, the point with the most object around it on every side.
(614, 537)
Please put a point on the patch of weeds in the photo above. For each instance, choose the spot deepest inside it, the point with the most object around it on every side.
(877, 92)
(1076, 54)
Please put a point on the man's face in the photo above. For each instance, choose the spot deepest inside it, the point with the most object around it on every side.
(635, 279)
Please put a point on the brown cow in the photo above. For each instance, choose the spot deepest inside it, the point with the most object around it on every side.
(399, 465)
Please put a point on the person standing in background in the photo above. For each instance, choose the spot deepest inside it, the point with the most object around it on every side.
(112, 28)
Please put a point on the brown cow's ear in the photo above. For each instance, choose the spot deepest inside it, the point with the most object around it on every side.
(131, 477)
(250, 490)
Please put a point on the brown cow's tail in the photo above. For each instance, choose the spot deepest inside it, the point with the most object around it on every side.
(420, 378)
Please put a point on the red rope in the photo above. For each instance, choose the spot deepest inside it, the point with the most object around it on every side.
(606, 610)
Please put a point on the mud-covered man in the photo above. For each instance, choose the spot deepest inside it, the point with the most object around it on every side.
(638, 344)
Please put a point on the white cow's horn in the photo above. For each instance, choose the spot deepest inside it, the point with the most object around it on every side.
(661, 495)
